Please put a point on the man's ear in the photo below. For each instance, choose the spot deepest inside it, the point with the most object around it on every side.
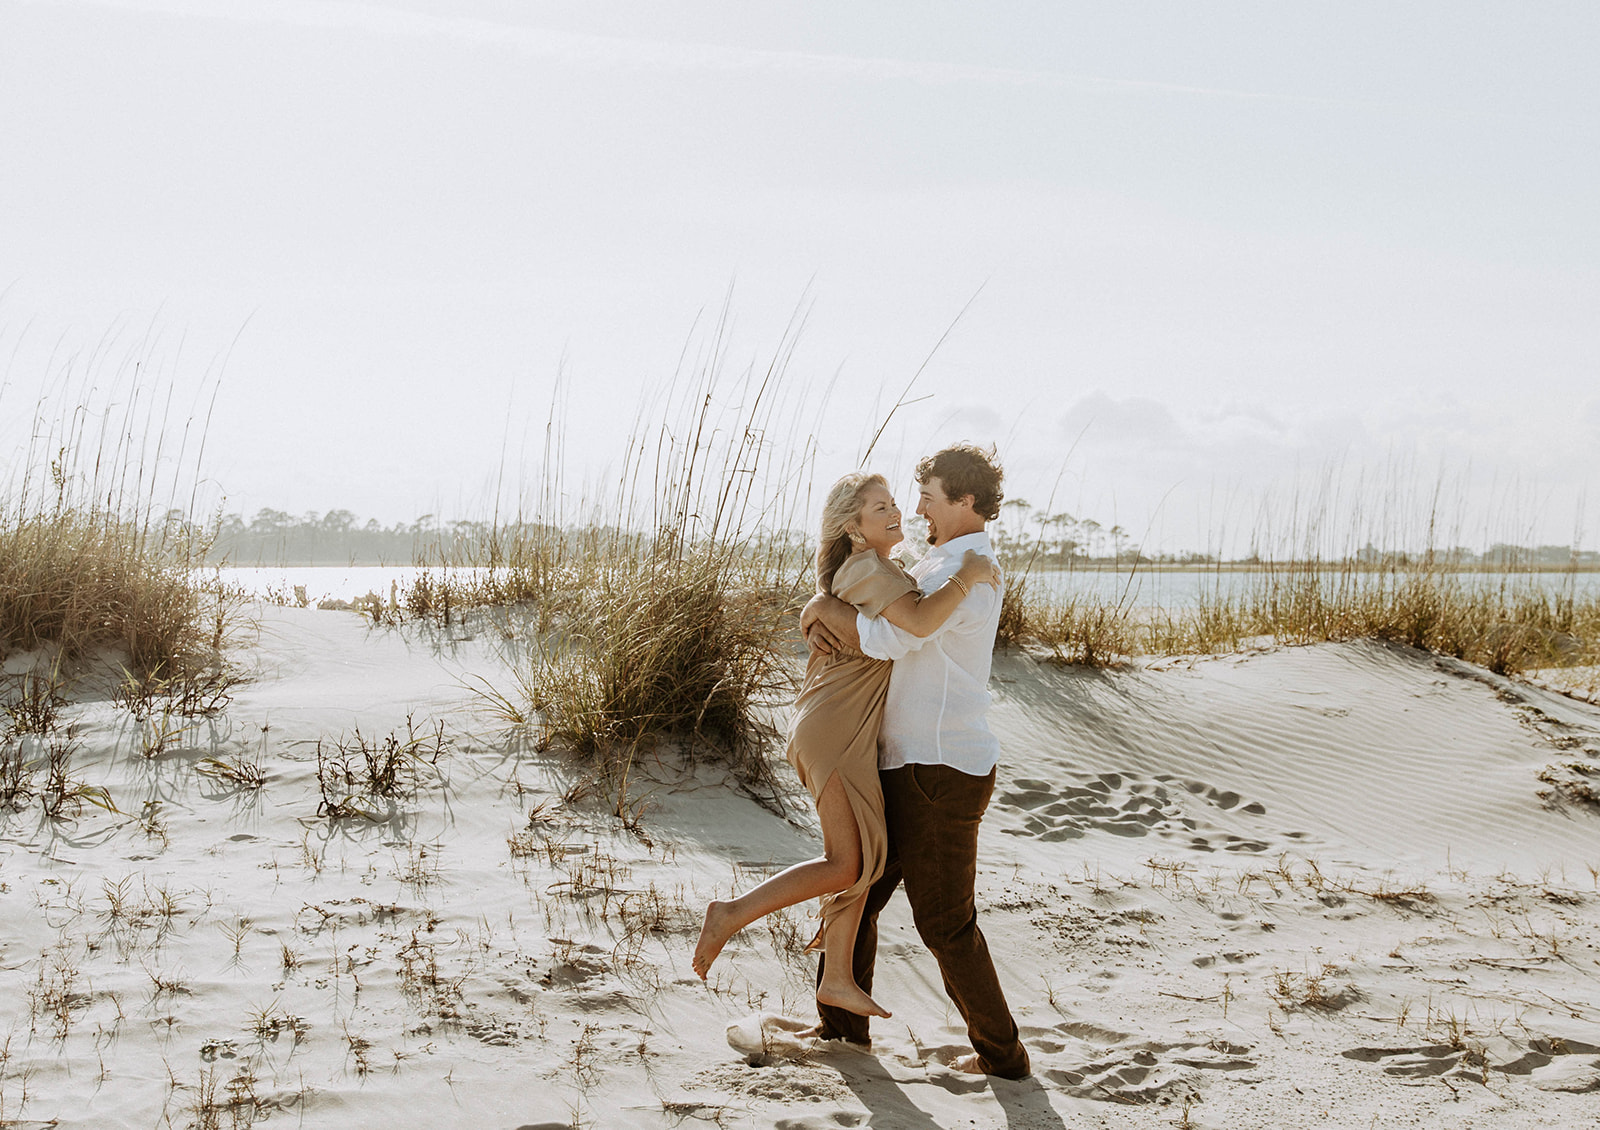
(970, 501)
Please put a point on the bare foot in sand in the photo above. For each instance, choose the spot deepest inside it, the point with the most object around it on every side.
(851, 999)
(714, 934)
(817, 1032)
(969, 1063)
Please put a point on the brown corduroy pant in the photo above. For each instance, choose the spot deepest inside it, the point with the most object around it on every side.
(933, 812)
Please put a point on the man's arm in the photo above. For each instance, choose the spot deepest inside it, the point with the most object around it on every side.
(828, 624)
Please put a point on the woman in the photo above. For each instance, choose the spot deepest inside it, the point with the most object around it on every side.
(833, 741)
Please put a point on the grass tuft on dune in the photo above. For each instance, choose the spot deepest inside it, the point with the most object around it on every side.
(1508, 626)
(83, 582)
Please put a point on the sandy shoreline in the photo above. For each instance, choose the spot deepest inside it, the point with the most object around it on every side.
(1301, 887)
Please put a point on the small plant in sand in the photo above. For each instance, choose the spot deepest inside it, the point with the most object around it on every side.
(420, 866)
(236, 932)
(270, 1022)
(13, 1103)
(34, 699)
(244, 770)
(584, 1057)
(238, 1103)
(353, 774)
(423, 981)
(55, 994)
(526, 843)
(195, 691)
(63, 795)
(1292, 991)
(16, 774)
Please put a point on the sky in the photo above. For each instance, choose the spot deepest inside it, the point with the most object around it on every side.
(1187, 265)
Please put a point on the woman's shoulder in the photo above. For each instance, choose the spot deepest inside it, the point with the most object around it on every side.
(871, 583)
(861, 565)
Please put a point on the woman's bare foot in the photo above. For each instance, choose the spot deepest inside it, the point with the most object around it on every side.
(850, 998)
(714, 934)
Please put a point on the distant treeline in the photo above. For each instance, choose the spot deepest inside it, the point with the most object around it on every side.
(1027, 533)
(340, 537)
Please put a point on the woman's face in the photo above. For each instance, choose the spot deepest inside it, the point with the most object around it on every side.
(879, 521)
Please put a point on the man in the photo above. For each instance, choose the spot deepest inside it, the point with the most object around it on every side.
(936, 759)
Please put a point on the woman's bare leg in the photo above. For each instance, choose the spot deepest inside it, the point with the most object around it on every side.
(838, 987)
(839, 866)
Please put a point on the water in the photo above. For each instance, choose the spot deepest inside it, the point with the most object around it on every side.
(326, 582)
(1145, 588)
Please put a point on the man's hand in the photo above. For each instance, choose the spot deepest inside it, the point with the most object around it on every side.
(829, 625)
(819, 637)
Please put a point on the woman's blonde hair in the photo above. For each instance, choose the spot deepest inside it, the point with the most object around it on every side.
(841, 509)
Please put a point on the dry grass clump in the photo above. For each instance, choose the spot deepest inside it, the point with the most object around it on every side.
(681, 647)
(90, 562)
(1335, 561)
(82, 581)
(669, 612)
(1507, 623)
(1091, 633)
(1507, 626)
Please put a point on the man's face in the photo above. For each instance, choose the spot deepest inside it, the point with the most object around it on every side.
(942, 515)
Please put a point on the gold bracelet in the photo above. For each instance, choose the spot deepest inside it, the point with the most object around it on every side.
(962, 585)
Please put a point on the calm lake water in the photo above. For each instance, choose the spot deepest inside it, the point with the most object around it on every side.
(1144, 588)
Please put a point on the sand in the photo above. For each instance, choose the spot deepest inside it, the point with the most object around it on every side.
(1299, 887)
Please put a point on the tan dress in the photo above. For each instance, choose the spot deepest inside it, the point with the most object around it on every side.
(837, 715)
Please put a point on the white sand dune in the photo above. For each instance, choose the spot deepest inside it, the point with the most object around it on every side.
(1361, 752)
(1304, 887)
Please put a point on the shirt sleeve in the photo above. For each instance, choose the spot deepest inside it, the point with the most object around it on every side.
(871, 584)
(882, 640)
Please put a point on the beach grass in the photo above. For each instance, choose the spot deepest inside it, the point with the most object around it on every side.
(667, 610)
(84, 581)
(1506, 622)
(96, 557)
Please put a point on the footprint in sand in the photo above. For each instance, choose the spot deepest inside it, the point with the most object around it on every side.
(1118, 1067)
(1552, 1064)
(1109, 802)
(1127, 806)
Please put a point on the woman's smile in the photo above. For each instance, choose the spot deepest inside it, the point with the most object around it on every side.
(879, 522)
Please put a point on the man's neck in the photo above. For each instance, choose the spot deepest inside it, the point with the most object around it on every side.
(981, 527)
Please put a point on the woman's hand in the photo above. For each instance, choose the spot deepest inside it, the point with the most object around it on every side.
(976, 569)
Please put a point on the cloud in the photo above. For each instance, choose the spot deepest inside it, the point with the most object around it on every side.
(1137, 421)
(1222, 437)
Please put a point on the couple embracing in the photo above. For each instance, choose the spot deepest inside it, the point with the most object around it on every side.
(889, 736)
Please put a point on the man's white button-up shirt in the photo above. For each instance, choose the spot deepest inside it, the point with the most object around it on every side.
(938, 691)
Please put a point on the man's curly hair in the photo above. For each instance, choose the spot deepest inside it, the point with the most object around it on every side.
(965, 468)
